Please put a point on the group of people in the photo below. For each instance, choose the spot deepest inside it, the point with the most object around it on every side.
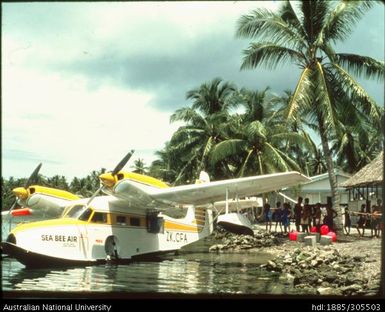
(306, 216)
(366, 220)
(303, 214)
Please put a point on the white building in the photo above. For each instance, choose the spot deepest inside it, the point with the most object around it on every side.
(318, 189)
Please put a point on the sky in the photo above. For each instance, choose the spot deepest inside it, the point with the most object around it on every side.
(83, 83)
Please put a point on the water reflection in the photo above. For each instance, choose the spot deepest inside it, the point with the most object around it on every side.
(190, 273)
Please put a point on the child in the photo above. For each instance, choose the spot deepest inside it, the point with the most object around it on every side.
(277, 216)
(286, 213)
(347, 221)
(361, 221)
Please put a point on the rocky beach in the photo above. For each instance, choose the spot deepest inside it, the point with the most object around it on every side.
(350, 266)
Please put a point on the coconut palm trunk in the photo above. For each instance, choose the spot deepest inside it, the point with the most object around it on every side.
(331, 173)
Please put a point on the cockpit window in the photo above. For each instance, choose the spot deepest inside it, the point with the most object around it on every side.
(86, 215)
(75, 211)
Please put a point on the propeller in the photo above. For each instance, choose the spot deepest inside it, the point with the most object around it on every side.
(122, 163)
(118, 167)
(32, 179)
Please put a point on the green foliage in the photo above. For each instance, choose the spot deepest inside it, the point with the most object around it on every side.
(84, 187)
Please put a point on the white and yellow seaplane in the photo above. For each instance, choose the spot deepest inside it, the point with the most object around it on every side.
(128, 222)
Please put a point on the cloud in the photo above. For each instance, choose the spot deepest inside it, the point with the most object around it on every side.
(85, 82)
(83, 130)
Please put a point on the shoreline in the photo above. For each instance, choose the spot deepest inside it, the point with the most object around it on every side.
(345, 268)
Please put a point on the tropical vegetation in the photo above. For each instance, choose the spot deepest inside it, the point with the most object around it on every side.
(328, 121)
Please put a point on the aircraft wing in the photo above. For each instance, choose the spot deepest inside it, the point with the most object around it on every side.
(206, 193)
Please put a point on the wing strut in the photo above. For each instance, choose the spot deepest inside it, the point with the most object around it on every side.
(227, 200)
(287, 197)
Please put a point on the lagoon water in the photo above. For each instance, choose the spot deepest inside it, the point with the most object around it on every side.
(193, 270)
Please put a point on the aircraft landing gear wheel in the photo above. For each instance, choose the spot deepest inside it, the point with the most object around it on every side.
(112, 248)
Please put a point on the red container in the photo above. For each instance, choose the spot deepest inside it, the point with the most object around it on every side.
(333, 236)
(313, 229)
(293, 236)
(324, 230)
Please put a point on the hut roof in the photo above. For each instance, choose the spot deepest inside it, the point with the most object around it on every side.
(371, 174)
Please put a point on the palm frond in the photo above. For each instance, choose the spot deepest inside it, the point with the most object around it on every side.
(291, 138)
(362, 65)
(314, 15)
(357, 93)
(225, 149)
(207, 149)
(325, 98)
(342, 19)
(245, 163)
(302, 94)
(264, 24)
(269, 55)
(288, 14)
(256, 130)
(187, 115)
(274, 158)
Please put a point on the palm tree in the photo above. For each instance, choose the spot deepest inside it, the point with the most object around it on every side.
(194, 141)
(305, 37)
(303, 154)
(139, 166)
(211, 97)
(256, 104)
(257, 147)
(164, 167)
(205, 125)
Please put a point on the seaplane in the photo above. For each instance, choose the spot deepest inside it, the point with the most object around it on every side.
(129, 219)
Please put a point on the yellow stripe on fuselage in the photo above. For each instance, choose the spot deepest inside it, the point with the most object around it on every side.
(52, 192)
(141, 178)
(48, 223)
(169, 225)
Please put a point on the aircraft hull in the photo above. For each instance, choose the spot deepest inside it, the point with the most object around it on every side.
(36, 260)
(66, 242)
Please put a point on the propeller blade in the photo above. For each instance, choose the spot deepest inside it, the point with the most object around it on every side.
(118, 167)
(94, 195)
(33, 176)
(122, 163)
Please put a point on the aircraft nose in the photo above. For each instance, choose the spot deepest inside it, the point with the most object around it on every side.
(107, 179)
(20, 192)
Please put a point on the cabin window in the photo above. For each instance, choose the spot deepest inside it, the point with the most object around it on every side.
(134, 221)
(121, 219)
(99, 217)
(85, 215)
(75, 211)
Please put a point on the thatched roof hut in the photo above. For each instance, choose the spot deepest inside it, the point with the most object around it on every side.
(371, 174)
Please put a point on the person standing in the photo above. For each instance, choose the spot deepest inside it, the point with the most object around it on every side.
(330, 215)
(347, 220)
(267, 216)
(286, 214)
(277, 216)
(361, 221)
(317, 217)
(298, 213)
(375, 222)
